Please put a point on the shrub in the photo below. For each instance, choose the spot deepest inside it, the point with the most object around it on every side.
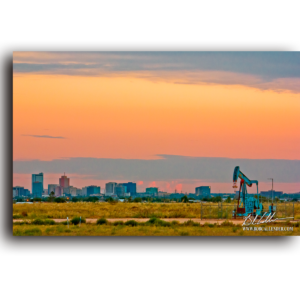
(174, 223)
(234, 229)
(37, 222)
(162, 223)
(131, 223)
(158, 222)
(32, 232)
(184, 233)
(24, 214)
(191, 223)
(152, 220)
(36, 200)
(17, 217)
(136, 200)
(102, 221)
(49, 222)
(59, 200)
(118, 223)
(76, 220)
(227, 223)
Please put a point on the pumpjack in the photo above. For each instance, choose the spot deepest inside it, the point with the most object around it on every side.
(246, 204)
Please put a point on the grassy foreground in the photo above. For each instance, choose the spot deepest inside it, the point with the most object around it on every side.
(134, 210)
(154, 227)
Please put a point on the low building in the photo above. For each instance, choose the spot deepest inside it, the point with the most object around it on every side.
(152, 190)
(93, 190)
(203, 191)
(270, 194)
(51, 188)
(163, 194)
(20, 191)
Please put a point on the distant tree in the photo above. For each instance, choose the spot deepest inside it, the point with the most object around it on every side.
(228, 200)
(59, 200)
(216, 199)
(184, 199)
(51, 197)
(137, 199)
(36, 200)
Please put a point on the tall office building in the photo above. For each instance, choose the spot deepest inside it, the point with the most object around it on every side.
(37, 178)
(64, 181)
(37, 189)
(130, 187)
(110, 188)
(203, 191)
(59, 190)
(120, 190)
(51, 188)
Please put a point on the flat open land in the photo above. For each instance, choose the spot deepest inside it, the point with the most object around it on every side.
(140, 219)
(137, 210)
(179, 220)
(146, 230)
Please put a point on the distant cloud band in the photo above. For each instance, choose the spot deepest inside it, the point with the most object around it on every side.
(44, 136)
(167, 167)
(263, 70)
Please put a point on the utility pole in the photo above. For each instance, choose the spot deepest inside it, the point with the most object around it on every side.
(272, 187)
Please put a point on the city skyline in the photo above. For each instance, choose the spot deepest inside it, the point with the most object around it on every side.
(157, 108)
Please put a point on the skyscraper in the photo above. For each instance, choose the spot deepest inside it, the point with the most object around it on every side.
(37, 189)
(110, 188)
(120, 190)
(64, 181)
(37, 178)
(131, 188)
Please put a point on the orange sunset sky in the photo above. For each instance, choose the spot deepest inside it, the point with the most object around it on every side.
(138, 106)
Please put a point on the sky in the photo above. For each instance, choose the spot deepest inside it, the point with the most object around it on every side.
(175, 120)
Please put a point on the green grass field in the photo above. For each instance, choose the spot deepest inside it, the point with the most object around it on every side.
(135, 210)
(152, 227)
(144, 230)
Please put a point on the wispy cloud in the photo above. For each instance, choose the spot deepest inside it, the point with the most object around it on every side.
(44, 136)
